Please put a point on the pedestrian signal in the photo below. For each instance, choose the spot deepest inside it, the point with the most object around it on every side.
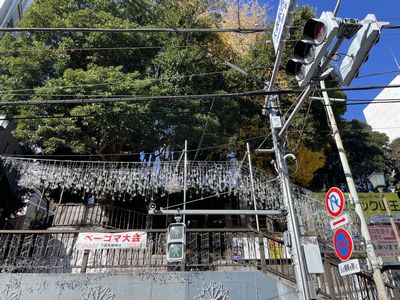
(176, 242)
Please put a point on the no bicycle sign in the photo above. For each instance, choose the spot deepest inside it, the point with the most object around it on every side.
(334, 202)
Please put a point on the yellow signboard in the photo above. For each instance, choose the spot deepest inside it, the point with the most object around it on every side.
(372, 203)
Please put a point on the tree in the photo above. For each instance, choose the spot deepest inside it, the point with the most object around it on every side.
(366, 150)
(394, 152)
(72, 65)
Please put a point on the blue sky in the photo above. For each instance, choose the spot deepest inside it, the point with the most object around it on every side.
(380, 59)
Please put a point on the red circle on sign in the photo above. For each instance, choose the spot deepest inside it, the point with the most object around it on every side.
(343, 244)
(334, 201)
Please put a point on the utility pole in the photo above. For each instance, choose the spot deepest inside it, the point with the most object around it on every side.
(292, 222)
(377, 274)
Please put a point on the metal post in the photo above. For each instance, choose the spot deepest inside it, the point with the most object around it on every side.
(40, 200)
(253, 195)
(185, 181)
(389, 213)
(337, 7)
(303, 97)
(296, 253)
(61, 196)
(377, 274)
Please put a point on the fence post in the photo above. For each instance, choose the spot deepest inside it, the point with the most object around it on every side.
(85, 260)
(331, 284)
(262, 253)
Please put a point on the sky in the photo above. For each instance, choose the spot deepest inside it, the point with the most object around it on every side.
(380, 58)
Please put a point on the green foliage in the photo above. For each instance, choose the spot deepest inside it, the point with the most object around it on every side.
(366, 150)
(394, 154)
(70, 65)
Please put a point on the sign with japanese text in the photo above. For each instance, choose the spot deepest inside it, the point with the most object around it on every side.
(119, 240)
(374, 205)
(384, 240)
(281, 21)
(351, 266)
(383, 219)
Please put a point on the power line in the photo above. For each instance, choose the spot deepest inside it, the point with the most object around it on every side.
(8, 92)
(378, 73)
(136, 30)
(170, 112)
(185, 97)
(33, 49)
(135, 153)
(138, 98)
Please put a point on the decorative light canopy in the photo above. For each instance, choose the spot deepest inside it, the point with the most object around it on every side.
(142, 179)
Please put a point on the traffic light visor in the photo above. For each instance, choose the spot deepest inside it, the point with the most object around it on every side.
(314, 31)
(176, 231)
(295, 68)
(304, 51)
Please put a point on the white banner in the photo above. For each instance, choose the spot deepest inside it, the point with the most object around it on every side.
(118, 240)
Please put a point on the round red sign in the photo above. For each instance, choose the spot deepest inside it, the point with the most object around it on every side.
(334, 202)
(343, 244)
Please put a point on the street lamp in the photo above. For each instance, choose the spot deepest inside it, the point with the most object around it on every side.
(377, 180)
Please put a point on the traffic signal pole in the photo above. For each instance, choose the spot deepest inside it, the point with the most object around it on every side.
(377, 274)
(293, 226)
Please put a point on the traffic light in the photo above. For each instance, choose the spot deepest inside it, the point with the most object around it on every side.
(310, 50)
(367, 36)
(176, 242)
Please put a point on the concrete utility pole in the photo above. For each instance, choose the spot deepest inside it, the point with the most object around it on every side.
(377, 274)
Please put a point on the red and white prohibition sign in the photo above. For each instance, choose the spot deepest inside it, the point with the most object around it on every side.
(334, 202)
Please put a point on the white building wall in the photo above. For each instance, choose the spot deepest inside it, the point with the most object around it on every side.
(385, 117)
(12, 10)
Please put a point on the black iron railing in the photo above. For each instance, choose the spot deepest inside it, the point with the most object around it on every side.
(98, 215)
(56, 251)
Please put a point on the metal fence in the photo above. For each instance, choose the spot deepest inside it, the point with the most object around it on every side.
(99, 215)
(355, 287)
(55, 251)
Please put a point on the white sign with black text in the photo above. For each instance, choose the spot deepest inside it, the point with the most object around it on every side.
(351, 266)
(281, 22)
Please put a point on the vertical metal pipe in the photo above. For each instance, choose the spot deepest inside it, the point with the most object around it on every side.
(337, 7)
(377, 274)
(293, 227)
(389, 213)
(253, 195)
(185, 181)
(296, 253)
